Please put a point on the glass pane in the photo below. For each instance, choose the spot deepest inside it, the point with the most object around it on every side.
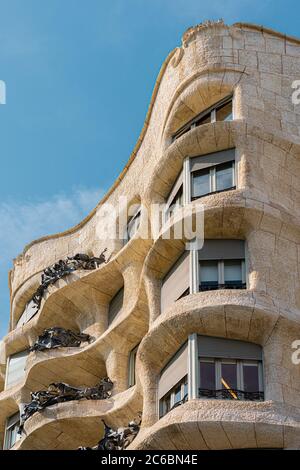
(208, 274)
(251, 382)
(177, 394)
(207, 375)
(200, 183)
(176, 202)
(133, 226)
(233, 272)
(224, 178)
(185, 389)
(204, 120)
(228, 376)
(224, 113)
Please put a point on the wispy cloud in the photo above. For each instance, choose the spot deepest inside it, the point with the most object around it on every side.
(21, 222)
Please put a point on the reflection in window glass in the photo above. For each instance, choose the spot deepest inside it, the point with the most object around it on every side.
(229, 376)
(233, 272)
(208, 274)
(200, 183)
(224, 113)
(207, 375)
(133, 226)
(224, 174)
(250, 377)
(176, 202)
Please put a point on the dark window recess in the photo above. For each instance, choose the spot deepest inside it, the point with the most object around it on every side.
(221, 111)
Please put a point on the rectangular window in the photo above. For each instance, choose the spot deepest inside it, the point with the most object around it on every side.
(115, 306)
(209, 278)
(212, 173)
(230, 379)
(207, 375)
(224, 176)
(227, 274)
(15, 371)
(201, 184)
(12, 431)
(220, 111)
(175, 397)
(133, 225)
(131, 369)
(250, 377)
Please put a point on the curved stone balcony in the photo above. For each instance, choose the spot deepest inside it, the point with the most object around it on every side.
(77, 423)
(223, 425)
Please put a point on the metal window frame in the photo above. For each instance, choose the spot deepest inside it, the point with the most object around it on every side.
(221, 271)
(213, 181)
(8, 431)
(131, 366)
(239, 371)
(209, 111)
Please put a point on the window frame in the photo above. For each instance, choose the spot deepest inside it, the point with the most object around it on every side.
(213, 180)
(239, 372)
(209, 112)
(221, 273)
(183, 383)
(130, 222)
(9, 429)
(131, 367)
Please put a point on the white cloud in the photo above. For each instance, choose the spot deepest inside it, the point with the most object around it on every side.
(22, 222)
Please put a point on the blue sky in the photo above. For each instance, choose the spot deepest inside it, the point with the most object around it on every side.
(79, 77)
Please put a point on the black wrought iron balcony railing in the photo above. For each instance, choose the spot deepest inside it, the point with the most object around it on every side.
(215, 286)
(231, 394)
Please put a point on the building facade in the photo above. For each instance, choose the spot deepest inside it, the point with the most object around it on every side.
(201, 341)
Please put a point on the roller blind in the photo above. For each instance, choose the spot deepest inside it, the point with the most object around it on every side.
(212, 159)
(16, 368)
(115, 306)
(230, 349)
(173, 372)
(175, 189)
(176, 281)
(30, 310)
(222, 249)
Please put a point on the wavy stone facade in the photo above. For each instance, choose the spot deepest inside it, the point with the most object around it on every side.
(255, 66)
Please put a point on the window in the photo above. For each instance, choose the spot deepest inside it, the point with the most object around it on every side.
(221, 111)
(173, 382)
(176, 284)
(174, 398)
(133, 225)
(131, 369)
(30, 310)
(175, 198)
(230, 379)
(15, 371)
(229, 369)
(211, 368)
(214, 179)
(115, 306)
(12, 431)
(222, 265)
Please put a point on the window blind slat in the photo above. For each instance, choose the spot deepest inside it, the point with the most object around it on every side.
(229, 349)
(175, 189)
(216, 158)
(222, 249)
(174, 372)
(176, 281)
(16, 368)
(115, 306)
